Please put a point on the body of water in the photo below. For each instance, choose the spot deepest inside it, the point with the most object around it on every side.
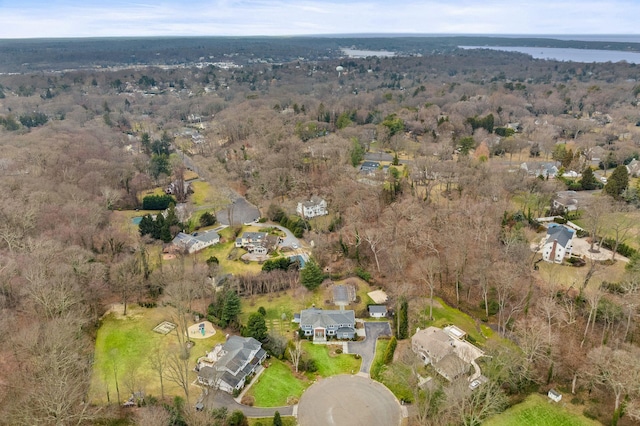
(570, 55)
(358, 53)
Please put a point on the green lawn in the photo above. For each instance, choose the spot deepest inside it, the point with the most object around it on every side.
(566, 276)
(277, 386)
(202, 194)
(540, 411)
(268, 421)
(632, 218)
(126, 342)
(283, 302)
(328, 364)
(445, 315)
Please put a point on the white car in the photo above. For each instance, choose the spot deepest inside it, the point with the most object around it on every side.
(294, 245)
(474, 384)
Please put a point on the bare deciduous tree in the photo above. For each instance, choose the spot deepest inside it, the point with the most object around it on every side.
(296, 353)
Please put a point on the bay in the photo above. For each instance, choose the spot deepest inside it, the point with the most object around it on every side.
(567, 54)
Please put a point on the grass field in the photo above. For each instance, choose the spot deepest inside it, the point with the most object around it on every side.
(277, 386)
(540, 411)
(127, 342)
(565, 276)
(445, 315)
(329, 364)
(633, 220)
(290, 302)
(268, 421)
(203, 194)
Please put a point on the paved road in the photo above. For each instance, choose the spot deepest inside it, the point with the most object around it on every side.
(238, 212)
(367, 348)
(222, 399)
(348, 401)
(288, 241)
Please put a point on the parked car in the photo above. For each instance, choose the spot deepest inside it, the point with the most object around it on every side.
(474, 384)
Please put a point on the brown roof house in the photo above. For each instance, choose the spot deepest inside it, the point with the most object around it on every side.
(450, 356)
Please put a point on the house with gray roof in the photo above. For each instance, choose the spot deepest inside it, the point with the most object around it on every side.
(547, 170)
(313, 207)
(227, 366)
(558, 243)
(565, 201)
(197, 241)
(369, 167)
(377, 311)
(322, 324)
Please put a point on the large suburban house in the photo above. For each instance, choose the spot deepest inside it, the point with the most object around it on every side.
(322, 324)
(565, 201)
(257, 242)
(547, 170)
(558, 243)
(197, 241)
(314, 207)
(446, 351)
(227, 366)
(369, 167)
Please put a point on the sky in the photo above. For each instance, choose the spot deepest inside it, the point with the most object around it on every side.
(116, 18)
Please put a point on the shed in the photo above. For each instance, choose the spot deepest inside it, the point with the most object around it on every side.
(554, 395)
(377, 311)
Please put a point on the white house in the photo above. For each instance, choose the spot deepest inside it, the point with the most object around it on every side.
(377, 311)
(257, 242)
(558, 243)
(316, 206)
(197, 241)
(228, 365)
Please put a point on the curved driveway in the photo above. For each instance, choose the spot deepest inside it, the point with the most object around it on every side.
(218, 399)
(348, 401)
(367, 348)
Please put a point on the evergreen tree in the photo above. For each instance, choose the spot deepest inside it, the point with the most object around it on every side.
(231, 308)
(357, 152)
(147, 225)
(311, 275)
(618, 182)
(277, 421)
(588, 180)
(402, 319)
(256, 327)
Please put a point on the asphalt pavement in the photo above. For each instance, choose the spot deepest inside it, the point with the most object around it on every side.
(367, 348)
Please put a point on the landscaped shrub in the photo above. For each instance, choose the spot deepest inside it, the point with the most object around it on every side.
(361, 273)
(576, 261)
(282, 263)
(157, 202)
(623, 248)
(391, 348)
(207, 219)
(308, 365)
(581, 233)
